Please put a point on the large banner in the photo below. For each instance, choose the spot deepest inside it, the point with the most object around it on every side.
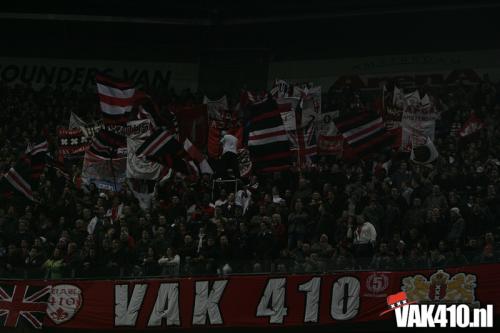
(330, 141)
(104, 173)
(418, 121)
(140, 168)
(238, 301)
(193, 123)
(410, 70)
(81, 73)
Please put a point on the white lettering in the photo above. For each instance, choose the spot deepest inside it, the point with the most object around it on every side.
(272, 302)
(208, 302)
(345, 298)
(463, 315)
(126, 312)
(414, 319)
(312, 287)
(426, 315)
(402, 316)
(168, 295)
(440, 316)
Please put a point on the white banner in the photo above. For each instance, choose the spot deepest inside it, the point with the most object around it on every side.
(280, 88)
(415, 133)
(311, 100)
(140, 168)
(418, 121)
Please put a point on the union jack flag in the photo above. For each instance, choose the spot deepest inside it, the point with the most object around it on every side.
(302, 132)
(305, 142)
(23, 303)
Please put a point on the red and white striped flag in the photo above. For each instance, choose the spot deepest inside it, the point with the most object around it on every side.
(37, 154)
(19, 183)
(116, 99)
(364, 133)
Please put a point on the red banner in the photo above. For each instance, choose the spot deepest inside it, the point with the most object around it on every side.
(193, 123)
(238, 301)
(330, 145)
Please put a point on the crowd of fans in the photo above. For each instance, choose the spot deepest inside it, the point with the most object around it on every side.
(384, 212)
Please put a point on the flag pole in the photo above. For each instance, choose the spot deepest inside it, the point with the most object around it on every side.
(299, 133)
(383, 98)
(112, 170)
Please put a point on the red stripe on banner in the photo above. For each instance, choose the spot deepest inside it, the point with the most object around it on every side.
(365, 131)
(266, 135)
(114, 119)
(213, 145)
(21, 184)
(116, 101)
(331, 138)
(274, 169)
(272, 156)
(266, 115)
(115, 84)
(156, 143)
(370, 143)
(308, 151)
(350, 121)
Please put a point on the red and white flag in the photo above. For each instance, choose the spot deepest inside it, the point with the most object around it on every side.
(116, 98)
(23, 303)
(19, 183)
(198, 157)
(363, 133)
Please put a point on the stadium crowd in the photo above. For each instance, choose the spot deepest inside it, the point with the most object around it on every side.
(384, 212)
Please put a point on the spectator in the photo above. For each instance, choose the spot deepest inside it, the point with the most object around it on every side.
(54, 266)
(364, 239)
(287, 220)
(170, 263)
(34, 262)
(457, 228)
(229, 159)
(297, 221)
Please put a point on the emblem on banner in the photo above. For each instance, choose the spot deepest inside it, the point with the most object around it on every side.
(64, 303)
(376, 284)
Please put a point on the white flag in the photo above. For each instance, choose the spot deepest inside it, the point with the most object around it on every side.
(424, 154)
(75, 121)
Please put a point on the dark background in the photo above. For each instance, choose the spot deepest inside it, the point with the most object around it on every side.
(235, 40)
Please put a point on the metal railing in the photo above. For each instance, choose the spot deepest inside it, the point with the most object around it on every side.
(193, 267)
